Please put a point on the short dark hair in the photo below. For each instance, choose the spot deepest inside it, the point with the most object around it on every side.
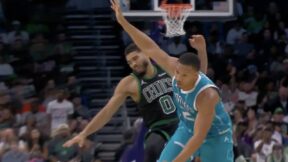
(190, 59)
(131, 48)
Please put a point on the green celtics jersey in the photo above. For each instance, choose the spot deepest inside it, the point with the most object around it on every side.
(156, 99)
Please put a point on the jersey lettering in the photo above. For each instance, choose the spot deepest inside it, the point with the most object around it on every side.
(167, 104)
(157, 89)
(182, 103)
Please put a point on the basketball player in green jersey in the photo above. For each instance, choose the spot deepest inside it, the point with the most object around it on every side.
(205, 129)
(151, 88)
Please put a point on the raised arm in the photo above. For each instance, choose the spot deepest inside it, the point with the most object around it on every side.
(198, 42)
(120, 94)
(144, 42)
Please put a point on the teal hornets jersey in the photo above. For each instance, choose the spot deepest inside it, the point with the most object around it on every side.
(185, 102)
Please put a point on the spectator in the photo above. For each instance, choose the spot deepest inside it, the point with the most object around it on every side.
(64, 52)
(230, 92)
(40, 48)
(278, 116)
(59, 110)
(80, 111)
(6, 118)
(5, 98)
(36, 142)
(279, 101)
(252, 124)
(16, 153)
(176, 47)
(238, 115)
(49, 95)
(6, 70)
(264, 146)
(254, 21)
(25, 130)
(49, 85)
(56, 152)
(278, 131)
(17, 33)
(276, 67)
(248, 94)
(37, 111)
(243, 148)
(63, 47)
(8, 140)
(214, 45)
(73, 85)
(22, 90)
(234, 34)
(243, 48)
(277, 154)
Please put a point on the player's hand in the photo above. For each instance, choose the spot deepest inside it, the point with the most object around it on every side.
(197, 42)
(115, 5)
(79, 139)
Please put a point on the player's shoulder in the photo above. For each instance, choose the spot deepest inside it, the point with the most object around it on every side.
(128, 83)
(129, 79)
(209, 93)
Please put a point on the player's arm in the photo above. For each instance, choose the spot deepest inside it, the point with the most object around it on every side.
(203, 122)
(106, 113)
(198, 42)
(120, 94)
(144, 42)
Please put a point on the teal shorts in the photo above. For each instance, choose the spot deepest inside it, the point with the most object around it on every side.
(214, 149)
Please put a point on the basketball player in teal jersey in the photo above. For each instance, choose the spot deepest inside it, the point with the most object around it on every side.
(205, 129)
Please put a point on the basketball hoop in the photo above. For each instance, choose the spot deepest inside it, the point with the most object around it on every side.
(174, 16)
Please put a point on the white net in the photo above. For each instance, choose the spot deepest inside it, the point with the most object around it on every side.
(174, 18)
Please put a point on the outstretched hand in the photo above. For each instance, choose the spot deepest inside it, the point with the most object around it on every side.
(115, 5)
(197, 42)
(79, 139)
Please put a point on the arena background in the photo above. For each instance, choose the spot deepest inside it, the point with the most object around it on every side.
(75, 48)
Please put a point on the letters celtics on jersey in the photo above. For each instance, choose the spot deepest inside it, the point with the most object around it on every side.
(156, 101)
(156, 89)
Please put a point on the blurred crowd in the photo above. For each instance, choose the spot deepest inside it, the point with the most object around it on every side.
(248, 60)
(40, 97)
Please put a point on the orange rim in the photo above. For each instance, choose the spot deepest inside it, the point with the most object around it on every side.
(175, 6)
(175, 10)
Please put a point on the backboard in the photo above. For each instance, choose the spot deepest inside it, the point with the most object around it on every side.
(201, 9)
